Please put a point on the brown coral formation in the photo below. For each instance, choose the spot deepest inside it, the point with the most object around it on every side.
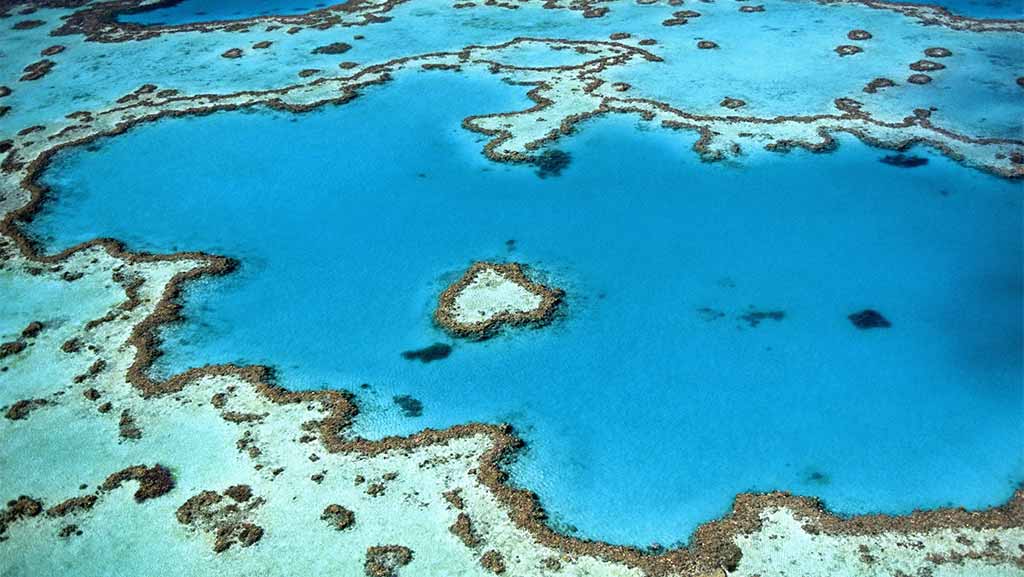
(386, 560)
(12, 348)
(878, 84)
(751, 9)
(680, 17)
(232, 53)
(848, 50)
(22, 408)
(32, 330)
(926, 66)
(919, 79)
(707, 45)
(262, 44)
(72, 505)
(307, 72)
(444, 314)
(333, 48)
(463, 529)
(153, 481)
(17, 509)
(937, 52)
(493, 562)
(338, 517)
(226, 516)
(27, 24)
(127, 427)
(858, 35)
(52, 50)
(37, 70)
(732, 103)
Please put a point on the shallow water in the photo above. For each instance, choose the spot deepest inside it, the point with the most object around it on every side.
(652, 401)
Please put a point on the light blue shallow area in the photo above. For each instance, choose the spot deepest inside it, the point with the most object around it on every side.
(644, 415)
(189, 11)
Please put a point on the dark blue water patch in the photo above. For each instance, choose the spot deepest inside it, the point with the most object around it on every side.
(904, 160)
(643, 416)
(191, 11)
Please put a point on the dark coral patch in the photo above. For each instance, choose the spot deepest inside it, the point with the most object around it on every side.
(858, 35)
(904, 160)
(385, 560)
(878, 84)
(493, 562)
(334, 48)
(232, 53)
(338, 517)
(937, 52)
(551, 163)
(926, 66)
(754, 318)
(37, 70)
(732, 103)
(27, 24)
(707, 45)
(919, 79)
(869, 319)
(434, 352)
(22, 408)
(411, 407)
(848, 50)
(153, 481)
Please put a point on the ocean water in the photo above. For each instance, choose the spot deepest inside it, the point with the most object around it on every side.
(656, 397)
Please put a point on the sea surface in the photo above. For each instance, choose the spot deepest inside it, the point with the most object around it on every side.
(704, 349)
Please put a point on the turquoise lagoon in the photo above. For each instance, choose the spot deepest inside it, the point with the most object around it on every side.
(651, 401)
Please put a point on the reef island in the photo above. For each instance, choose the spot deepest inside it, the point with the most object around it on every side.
(490, 295)
(220, 225)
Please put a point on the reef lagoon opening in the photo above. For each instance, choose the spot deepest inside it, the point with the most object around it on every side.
(655, 397)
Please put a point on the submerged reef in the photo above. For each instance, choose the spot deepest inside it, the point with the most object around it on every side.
(490, 295)
(284, 460)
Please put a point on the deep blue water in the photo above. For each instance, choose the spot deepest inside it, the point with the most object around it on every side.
(188, 11)
(645, 413)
